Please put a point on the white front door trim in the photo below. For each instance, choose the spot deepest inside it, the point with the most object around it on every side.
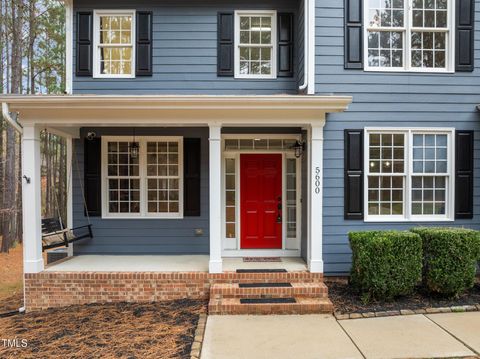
(229, 250)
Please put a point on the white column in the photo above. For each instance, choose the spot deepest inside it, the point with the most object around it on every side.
(69, 159)
(315, 220)
(32, 202)
(215, 165)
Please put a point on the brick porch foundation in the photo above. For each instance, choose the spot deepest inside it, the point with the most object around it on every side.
(58, 289)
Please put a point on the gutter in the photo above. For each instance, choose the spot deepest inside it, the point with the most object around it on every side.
(304, 86)
(9, 119)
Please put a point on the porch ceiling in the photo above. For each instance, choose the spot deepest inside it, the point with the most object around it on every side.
(160, 110)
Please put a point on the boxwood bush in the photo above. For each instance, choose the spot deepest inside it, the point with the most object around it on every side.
(450, 259)
(385, 264)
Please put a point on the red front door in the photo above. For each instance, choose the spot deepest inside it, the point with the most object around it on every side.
(260, 201)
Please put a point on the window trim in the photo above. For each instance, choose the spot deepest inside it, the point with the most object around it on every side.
(96, 42)
(236, 42)
(407, 29)
(143, 214)
(408, 173)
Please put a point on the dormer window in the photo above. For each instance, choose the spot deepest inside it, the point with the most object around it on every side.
(255, 44)
(114, 43)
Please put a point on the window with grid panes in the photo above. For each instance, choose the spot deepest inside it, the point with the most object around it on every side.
(408, 175)
(255, 44)
(408, 35)
(114, 44)
(149, 185)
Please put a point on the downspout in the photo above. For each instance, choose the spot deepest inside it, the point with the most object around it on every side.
(304, 86)
(9, 119)
(18, 127)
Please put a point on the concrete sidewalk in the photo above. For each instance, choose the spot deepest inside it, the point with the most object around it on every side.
(323, 337)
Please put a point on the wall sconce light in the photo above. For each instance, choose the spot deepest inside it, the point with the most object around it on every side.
(299, 147)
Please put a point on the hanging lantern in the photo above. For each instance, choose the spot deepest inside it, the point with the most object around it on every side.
(134, 149)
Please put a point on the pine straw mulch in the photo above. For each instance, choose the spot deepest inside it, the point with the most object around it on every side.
(11, 272)
(120, 330)
(347, 301)
(11, 303)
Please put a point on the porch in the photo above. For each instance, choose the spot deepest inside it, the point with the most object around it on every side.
(165, 264)
(230, 129)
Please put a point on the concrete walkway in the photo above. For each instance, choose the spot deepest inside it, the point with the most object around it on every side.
(323, 337)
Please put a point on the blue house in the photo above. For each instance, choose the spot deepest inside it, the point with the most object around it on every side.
(225, 142)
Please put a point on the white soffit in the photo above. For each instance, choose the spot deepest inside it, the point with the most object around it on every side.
(77, 110)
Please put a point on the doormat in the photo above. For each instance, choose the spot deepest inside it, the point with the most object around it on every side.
(262, 259)
(267, 300)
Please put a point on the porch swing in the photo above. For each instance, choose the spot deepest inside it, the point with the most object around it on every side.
(54, 233)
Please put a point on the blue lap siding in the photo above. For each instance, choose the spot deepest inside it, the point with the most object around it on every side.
(185, 50)
(383, 100)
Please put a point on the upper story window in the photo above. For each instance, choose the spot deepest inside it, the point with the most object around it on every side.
(255, 44)
(409, 175)
(114, 39)
(411, 35)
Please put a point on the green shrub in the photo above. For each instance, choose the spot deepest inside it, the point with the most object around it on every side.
(450, 259)
(385, 264)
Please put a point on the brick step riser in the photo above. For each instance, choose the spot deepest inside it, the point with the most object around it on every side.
(290, 277)
(269, 292)
(262, 309)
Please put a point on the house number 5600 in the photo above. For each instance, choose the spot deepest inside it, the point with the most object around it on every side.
(317, 180)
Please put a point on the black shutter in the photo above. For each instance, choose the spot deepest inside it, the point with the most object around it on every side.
(353, 172)
(84, 43)
(225, 44)
(285, 44)
(353, 34)
(143, 60)
(463, 174)
(464, 42)
(191, 179)
(93, 183)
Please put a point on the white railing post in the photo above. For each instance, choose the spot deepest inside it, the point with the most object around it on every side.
(315, 257)
(215, 203)
(32, 201)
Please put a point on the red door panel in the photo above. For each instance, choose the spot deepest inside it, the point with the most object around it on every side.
(260, 195)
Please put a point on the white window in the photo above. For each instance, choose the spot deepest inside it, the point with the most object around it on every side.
(147, 185)
(408, 175)
(114, 39)
(411, 35)
(255, 44)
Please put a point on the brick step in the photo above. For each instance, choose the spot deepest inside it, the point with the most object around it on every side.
(271, 277)
(296, 289)
(301, 306)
